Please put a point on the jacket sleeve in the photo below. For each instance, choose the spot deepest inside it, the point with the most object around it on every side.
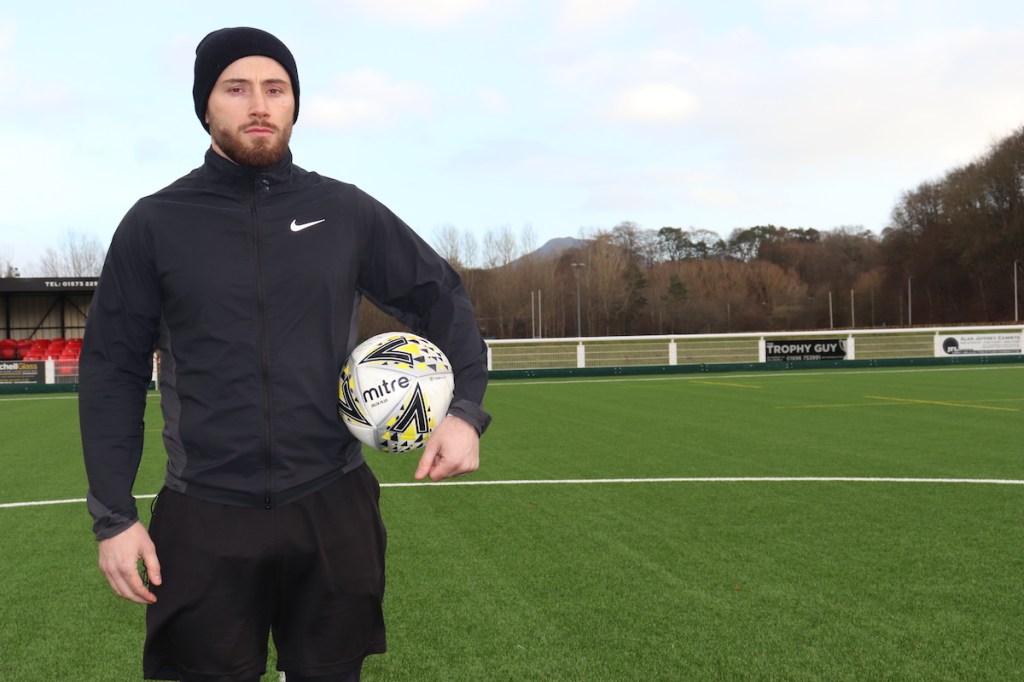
(409, 280)
(115, 370)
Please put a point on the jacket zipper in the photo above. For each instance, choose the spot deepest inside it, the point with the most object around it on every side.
(258, 184)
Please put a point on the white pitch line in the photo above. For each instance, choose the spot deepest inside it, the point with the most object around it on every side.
(24, 399)
(583, 481)
(695, 376)
(715, 479)
(45, 503)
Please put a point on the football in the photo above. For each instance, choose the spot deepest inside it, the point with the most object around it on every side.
(394, 390)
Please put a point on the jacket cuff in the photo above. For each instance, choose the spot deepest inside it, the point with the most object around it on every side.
(106, 522)
(471, 413)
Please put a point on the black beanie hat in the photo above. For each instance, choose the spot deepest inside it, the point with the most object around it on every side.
(219, 49)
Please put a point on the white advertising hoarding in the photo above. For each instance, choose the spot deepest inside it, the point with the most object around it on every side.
(952, 345)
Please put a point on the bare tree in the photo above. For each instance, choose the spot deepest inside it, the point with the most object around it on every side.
(626, 236)
(500, 248)
(603, 281)
(470, 249)
(528, 239)
(449, 245)
(7, 268)
(773, 297)
(77, 255)
(707, 244)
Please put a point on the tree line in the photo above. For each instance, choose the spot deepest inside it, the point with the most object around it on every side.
(76, 255)
(952, 254)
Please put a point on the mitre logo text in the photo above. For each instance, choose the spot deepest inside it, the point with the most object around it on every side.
(386, 387)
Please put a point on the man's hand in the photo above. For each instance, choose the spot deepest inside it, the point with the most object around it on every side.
(119, 561)
(453, 450)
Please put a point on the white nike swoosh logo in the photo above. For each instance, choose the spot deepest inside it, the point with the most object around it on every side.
(296, 227)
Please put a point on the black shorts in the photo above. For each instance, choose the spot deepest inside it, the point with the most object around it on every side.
(311, 572)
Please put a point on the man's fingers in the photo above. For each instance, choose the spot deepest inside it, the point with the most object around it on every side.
(441, 467)
(427, 461)
(127, 583)
(138, 590)
(437, 466)
(453, 450)
(152, 565)
(119, 558)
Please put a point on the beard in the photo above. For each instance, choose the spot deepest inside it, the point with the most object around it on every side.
(257, 152)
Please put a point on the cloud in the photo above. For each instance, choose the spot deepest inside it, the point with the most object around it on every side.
(177, 56)
(34, 99)
(580, 14)
(491, 101)
(927, 100)
(664, 188)
(654, 103)
(434, 14)
(648, 84)
(368, 98)
(509, 157)
(7, 33)
(625, 200)
(833, 14)
(726, 197)
(573, 70)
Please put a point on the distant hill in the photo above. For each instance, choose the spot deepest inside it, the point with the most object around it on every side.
(551, 249)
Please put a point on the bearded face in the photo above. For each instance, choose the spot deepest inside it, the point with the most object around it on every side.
(250, 112)
(248, 148)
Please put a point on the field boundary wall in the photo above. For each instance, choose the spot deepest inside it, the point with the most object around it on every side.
(693, 354)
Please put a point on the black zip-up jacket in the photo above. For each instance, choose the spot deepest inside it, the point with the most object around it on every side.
(248, 281)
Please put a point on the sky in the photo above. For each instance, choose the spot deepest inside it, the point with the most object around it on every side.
(551, 118)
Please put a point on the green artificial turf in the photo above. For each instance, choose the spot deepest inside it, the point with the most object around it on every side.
(643, 580)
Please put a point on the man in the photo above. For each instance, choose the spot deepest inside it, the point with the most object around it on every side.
(247, 274)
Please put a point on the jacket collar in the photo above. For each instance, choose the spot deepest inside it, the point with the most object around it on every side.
(229, 172)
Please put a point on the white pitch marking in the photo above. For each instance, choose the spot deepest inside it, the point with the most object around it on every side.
(73, 396)
(45, 503)
(696, 376)
(715, 479)
(41, 397)
(582, 481)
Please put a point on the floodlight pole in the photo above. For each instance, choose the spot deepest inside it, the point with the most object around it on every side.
(540, 313)
(576, 271)
(872, 307)
(1016, 310)
(910, 314)
(533, 317)
(537, 314)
